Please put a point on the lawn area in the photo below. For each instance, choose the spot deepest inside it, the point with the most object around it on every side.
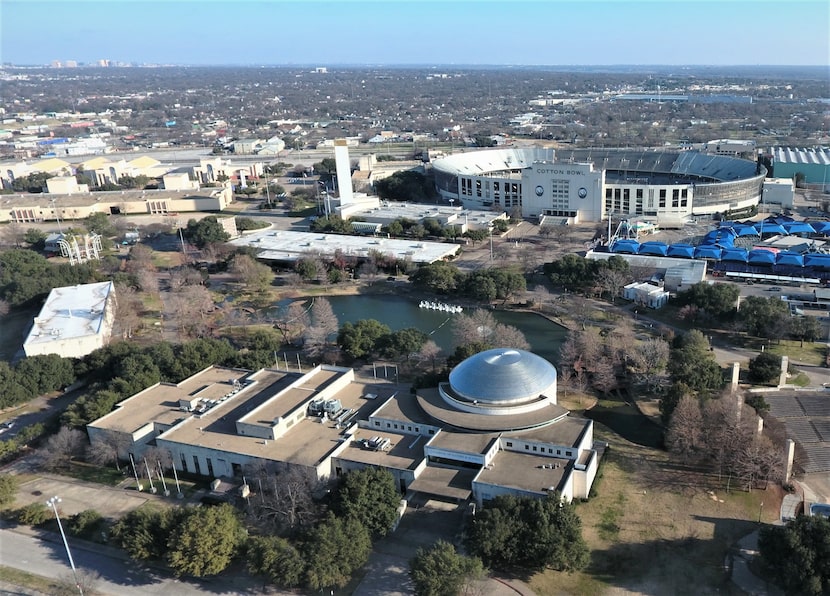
(810, 353)
(655, 528)
(43, 585)
(91, 473)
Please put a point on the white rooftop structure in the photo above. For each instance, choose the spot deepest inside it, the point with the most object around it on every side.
(813, 155)
(279, 245)
(75, 321)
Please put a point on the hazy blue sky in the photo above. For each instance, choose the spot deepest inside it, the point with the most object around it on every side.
(544, 32)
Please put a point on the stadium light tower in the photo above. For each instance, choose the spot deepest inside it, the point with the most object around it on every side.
(53, 504)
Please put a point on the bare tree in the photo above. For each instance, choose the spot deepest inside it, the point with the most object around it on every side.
(82, 579)
(147, 280)
(140, 259)
(190, 306)
(482, 327)
(155, 456)
(128, 309)
(323, 326)
(508, 336)
(612, 281)
(107, 448)
(251, 273)
(293, 321)
(283, 501)
(13, 234)
(62, 447)
(726, 433)
(758, 461)
(648, 359)
(429, 352)
(685, 432)
(184, 276)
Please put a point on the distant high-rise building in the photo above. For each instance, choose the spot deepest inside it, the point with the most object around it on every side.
(56, 64)
(71, 64)
(103, 62)
(344, 171)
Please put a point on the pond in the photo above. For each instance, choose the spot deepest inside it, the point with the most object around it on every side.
(398, 313)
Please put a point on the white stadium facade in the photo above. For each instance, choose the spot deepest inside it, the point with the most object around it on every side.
(587, 185)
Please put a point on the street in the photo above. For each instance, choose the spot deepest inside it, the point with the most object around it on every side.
(118, 577)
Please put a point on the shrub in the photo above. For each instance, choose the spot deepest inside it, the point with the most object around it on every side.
(88, 524)
(33, 514)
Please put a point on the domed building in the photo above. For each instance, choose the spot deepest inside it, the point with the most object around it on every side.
(497, 390)
(494, 428)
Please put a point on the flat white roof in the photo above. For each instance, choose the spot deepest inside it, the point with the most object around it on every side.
(71, 311)
(279, 245)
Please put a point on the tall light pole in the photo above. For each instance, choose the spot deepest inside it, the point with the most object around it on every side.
(53, 503)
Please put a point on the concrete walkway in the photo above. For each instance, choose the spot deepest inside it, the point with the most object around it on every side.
(737, 562)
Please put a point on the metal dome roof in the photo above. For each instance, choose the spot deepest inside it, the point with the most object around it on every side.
(502, 376)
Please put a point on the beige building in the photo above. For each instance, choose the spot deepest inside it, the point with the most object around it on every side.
(29, 208)
(494, 428)
(65, 185)
(179, 181)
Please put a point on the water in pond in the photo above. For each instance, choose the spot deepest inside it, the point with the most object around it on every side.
(398, 313)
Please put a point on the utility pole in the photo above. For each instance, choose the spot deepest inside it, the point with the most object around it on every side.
(53, 504)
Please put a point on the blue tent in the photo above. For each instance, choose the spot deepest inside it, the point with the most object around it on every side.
(626, 246)
(708, 252)
(789, 258)
(734, 254)
(681, 251)
(653, 248)
(759, 256)
(769, 229)
(822, 227)
(817, 260)
(799, 227)
(743, 230)
(719, 237)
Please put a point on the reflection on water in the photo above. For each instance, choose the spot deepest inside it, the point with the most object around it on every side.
(398, 313)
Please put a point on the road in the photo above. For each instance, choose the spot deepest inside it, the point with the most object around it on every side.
(118, 577)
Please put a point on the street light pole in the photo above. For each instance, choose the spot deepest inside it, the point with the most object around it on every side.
(53, 503)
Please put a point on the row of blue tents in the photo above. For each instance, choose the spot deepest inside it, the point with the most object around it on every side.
(755, 256)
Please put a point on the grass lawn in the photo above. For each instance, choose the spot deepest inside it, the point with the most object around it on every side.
(655, 528)
(91, 473)
(42, 584)
(810, 353)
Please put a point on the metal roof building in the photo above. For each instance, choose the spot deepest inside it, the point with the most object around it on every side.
(285, 246)
(813, 162)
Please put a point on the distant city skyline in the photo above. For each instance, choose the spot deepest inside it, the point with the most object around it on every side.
(401, 32)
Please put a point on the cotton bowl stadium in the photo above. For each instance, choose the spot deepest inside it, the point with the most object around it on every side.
(587, 185)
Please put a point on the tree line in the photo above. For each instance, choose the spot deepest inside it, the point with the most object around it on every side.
(482, 285)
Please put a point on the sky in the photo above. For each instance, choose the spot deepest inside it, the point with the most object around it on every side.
(400, 32)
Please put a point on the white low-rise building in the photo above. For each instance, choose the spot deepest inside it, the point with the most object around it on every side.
(75, 321)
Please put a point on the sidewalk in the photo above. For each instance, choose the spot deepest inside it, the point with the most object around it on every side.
(737, 562)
